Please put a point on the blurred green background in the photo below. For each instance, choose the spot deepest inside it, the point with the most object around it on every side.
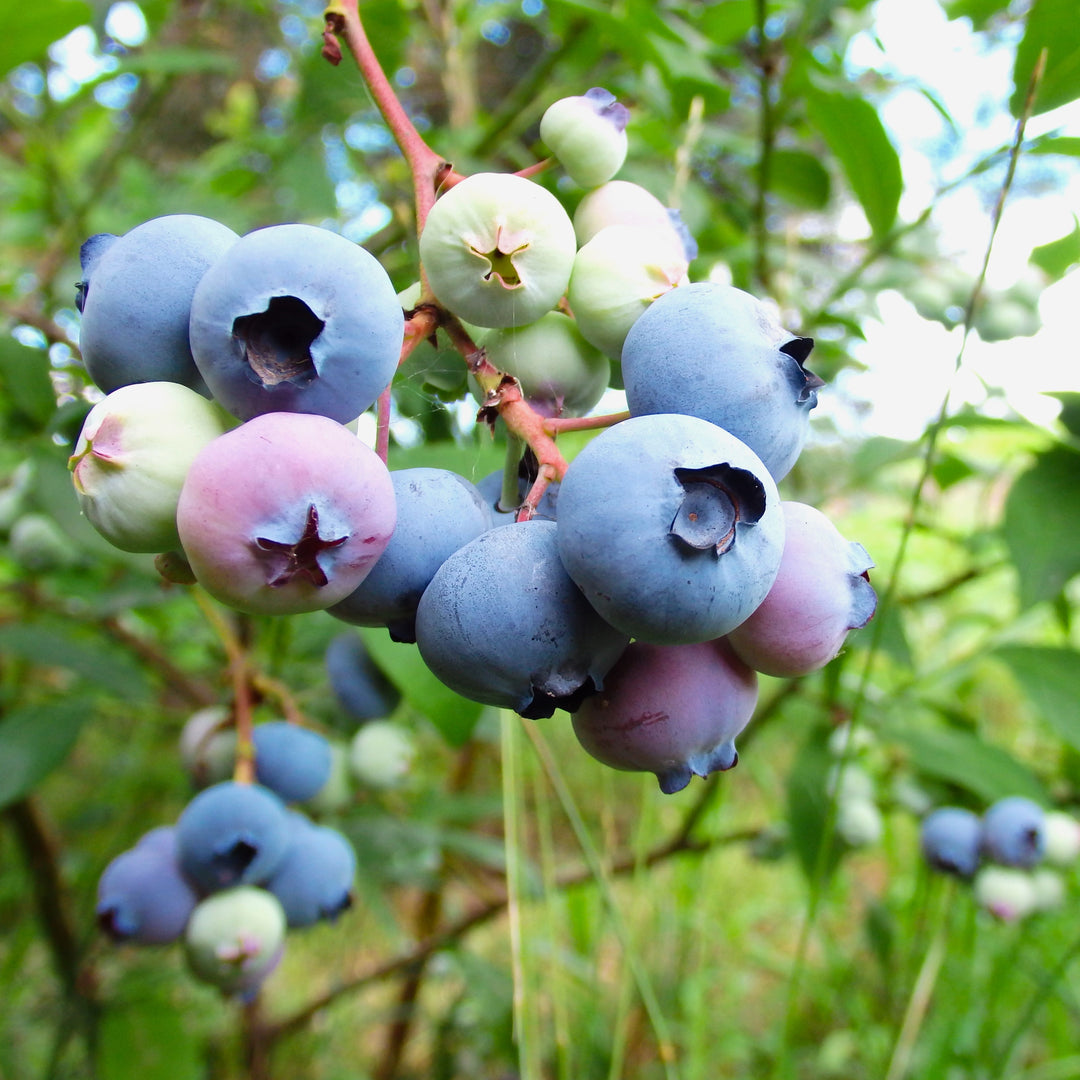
(521, 910)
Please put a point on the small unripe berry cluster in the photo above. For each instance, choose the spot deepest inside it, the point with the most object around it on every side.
(1012, 854)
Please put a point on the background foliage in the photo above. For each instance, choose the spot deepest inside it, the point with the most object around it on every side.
(522, 911)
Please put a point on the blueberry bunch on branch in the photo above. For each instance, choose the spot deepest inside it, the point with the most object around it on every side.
(241, 866)
(642, 586)
(665, 572)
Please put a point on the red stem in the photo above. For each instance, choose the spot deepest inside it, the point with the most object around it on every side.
(430, 172)
(583, 423)
(382, 430)
(428, 168)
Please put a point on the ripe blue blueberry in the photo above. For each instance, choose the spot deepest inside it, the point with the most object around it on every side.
(671, 528)
(358, 684)
(502, 623)
(136, 299)
(950, 839)
(231, 834)
(294, 318)
(716, 352)
(291, 761)
(438, 512)
(143, 897)
(1013, 832)
(314, 879)
(89, 254)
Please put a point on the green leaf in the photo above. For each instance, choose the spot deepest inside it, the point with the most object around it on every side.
(1070, 409)
(24, 377)
(454, 716)
(728, 22)
(145, 1037)
(801, 179)
(1056, 257)
(1051, 25)
(31, 28)
(34, 740)
(180, 62)
(1050, 679)
(891, 633)
(55, 647)
(1056, 144)
(808, 806)
(857, 139)
(970, 762)
(1041, 524)
(980, 12)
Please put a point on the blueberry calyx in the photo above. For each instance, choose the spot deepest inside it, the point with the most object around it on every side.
(543, 703)
(717, 499)
(501, 260)
(92, 249)
(799, 349)
(288, 561)
(115, 923)
(231, 862)
(606, 105)
(863, 596)
(277, 342)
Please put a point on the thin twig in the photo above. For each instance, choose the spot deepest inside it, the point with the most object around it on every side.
(42, 856)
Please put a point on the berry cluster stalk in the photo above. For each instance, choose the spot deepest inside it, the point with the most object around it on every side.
(431, 173)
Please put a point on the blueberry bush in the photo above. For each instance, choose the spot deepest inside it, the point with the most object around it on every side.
(459, 615)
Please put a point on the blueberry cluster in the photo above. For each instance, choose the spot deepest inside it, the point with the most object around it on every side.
(1011, 853)
(660, 573)
(239, 867)
(231, 366)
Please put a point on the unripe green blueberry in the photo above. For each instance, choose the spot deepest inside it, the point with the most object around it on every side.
(1061, 832)
(852, 782)
(587, 133)
(498, 250)
(381, 754)
(234, 937)
(860, 739)
(907, 794)
(1049, 888)
(617, 275)
(131, 458)
(560, 373)
(1007, 893)
(13, 496)
(37, 544)
(208, 746)
(859, 822)
(618, 202)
